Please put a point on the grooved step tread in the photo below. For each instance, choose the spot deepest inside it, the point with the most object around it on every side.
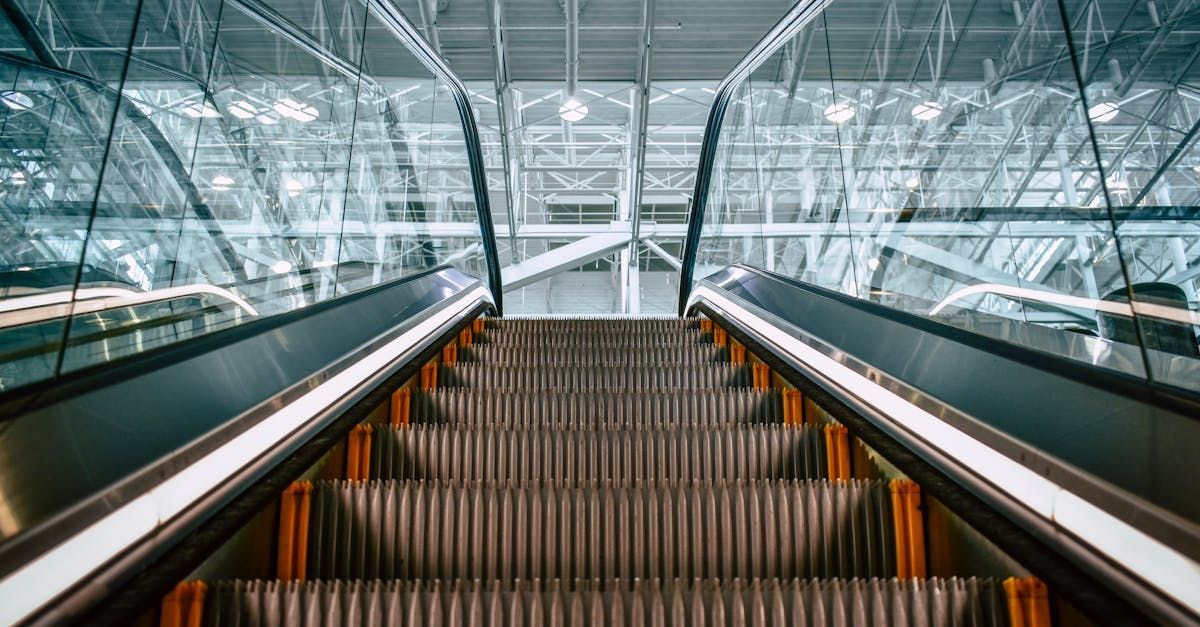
(615, 407)
(445, 452)
(769, 603)
(412, 529)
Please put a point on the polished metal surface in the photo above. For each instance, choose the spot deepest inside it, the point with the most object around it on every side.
(912, 603)
(1087, 437)
(66, 464)
(1091, 471)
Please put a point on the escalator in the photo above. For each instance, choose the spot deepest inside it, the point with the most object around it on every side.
(601, 472)
(357, 433)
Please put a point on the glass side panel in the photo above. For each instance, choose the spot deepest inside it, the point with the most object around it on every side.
(943, 158)
(449, 192)
(55, 124)
(1141, 75)
(226, 161)
(733, 227)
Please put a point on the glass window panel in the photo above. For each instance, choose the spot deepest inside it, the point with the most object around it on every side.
(732, 231)
(1141, 73)
(148, 191)
(451, 194)
(55, 123)
(971, 183)
(386, 235)
(273, 160)
(247, 171)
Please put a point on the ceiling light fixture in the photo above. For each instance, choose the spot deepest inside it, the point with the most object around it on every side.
(572, 110)
(839, 113)
(281, 267)
(1117, 186)
(15, 100)
(17, 178)
(927, 110)
(912, 182)
(198, 110)
(1103, 112)
(294, 187)
(297, 111)
(221, 182)
(243, 110)
(873, 263)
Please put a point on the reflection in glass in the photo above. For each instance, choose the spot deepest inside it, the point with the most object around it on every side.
(943, 159)
(239, 161)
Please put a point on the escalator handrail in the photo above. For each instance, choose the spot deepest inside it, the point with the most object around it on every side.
(85, 540)
(1133, 544)
(404, 30)
(795, 19)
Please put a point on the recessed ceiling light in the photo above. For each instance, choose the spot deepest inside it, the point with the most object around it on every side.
(927, 110)
(15, 100)
(297, 111)
(294, 187)
(913, 182)
(281, 267)
(572, 110)
(839, 113)
(198, 110)
(242, 110)
(1103, 112)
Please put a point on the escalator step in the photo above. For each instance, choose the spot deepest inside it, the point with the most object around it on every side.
(614, 325)
(505, 456)
(576, 377)
(389, 529)
(667, 322)
(611, 407)
(950, 602)
(682, 355)
(600, 339)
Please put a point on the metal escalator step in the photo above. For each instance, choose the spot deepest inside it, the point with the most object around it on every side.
(545, 356)
(948, 602)
(586, 455)
(610, 407)
(389, 529)
(590, 338)
(540, 325)
(577, 377)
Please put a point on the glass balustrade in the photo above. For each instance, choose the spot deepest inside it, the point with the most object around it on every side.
(1028, 171)
(169, 169)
